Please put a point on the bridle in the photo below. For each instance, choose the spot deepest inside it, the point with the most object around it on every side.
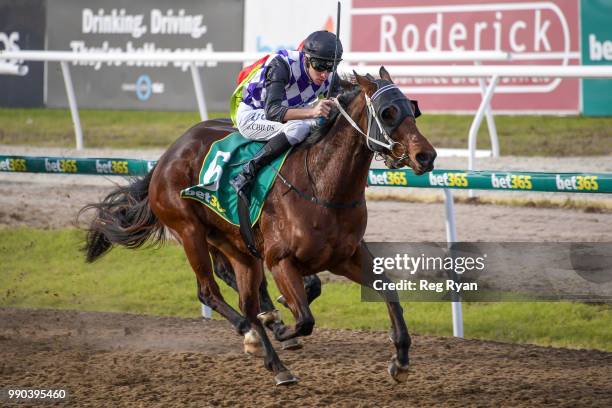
(387, 95)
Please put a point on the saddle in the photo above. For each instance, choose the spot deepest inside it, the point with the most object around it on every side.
(223, 162)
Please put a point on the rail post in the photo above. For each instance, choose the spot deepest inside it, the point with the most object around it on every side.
(490, 123)
(197, 86)
(451, 237)
(74, 110)
(486, 100)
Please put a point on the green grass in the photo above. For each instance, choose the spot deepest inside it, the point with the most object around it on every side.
(101, 128)
(518, 135)
(44, 269)
(526, 135)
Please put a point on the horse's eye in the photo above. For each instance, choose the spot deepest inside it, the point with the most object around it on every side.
(389, 114)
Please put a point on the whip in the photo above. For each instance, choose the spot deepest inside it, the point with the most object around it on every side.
(333, 81)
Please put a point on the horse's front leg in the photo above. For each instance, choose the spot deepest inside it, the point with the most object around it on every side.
(352, 269)
(289, 280)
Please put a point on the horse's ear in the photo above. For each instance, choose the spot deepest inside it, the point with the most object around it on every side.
(415, 108)
(368, 86)
(384, 74)
(345, 85)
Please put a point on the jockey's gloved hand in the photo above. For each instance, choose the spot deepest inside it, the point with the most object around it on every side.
(322, 108)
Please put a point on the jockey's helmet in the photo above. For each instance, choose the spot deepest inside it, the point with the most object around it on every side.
(322, 45)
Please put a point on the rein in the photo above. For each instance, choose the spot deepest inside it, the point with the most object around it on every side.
(389, 146)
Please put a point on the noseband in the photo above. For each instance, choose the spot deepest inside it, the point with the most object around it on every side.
(387, 95)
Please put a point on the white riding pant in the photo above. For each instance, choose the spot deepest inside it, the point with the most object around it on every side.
(252, 124)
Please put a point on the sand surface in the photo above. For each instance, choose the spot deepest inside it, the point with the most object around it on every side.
(105, 359)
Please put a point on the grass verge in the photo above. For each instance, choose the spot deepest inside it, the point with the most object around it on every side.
(44, 269)
(518, 135)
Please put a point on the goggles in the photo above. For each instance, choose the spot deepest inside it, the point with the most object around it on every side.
(321, 65)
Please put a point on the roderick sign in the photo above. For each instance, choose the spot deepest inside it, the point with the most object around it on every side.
(547, 31)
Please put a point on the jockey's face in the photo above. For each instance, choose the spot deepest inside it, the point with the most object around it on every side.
(317, 76)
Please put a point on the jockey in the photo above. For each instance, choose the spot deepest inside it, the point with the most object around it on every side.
(276, 104)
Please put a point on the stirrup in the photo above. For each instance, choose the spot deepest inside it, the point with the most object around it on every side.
(240, 182)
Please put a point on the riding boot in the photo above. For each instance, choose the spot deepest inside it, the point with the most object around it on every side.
(270, 151)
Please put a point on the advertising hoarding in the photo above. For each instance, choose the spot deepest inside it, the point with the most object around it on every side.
(596, 50)
(556, 32)
(270, 25)
(543, 33)
(548, 31)
(144, 26)
(22, 27)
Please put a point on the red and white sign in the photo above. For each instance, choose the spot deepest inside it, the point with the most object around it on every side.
(545, 32)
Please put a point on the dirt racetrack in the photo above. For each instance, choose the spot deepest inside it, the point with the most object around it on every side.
(129, 360)
(105, 359)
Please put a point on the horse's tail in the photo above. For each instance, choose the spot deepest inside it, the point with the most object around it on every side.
(123, 217)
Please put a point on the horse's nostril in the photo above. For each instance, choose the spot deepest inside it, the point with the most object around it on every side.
(424, 158)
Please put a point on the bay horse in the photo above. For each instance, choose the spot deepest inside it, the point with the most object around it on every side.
(314, 217)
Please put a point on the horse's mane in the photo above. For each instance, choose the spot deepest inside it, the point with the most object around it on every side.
(345, 98)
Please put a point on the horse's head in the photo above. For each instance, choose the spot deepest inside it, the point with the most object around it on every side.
(392, 130)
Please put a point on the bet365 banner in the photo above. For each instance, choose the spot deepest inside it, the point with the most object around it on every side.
(596, 50)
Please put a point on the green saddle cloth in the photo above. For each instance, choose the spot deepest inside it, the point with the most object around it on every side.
(222, 163)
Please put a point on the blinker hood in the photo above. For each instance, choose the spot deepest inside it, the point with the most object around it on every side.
(388, 96)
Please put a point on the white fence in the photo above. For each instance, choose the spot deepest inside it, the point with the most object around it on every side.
(358, 59)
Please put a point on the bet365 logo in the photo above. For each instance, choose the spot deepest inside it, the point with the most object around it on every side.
(576, 183)
(512, 181)
(61, 166)
(448, 179)
(112, 167)
(13, 165)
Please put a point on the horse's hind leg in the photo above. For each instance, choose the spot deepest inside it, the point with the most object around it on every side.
(224, 271)
(352, 269)
(196, 248)
(249, 275)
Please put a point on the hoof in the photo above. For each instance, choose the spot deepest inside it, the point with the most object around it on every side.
(398, 372)
(285, 378)
(252, 344)
(292, 344)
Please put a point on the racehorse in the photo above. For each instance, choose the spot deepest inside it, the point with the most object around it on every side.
(314, 217)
